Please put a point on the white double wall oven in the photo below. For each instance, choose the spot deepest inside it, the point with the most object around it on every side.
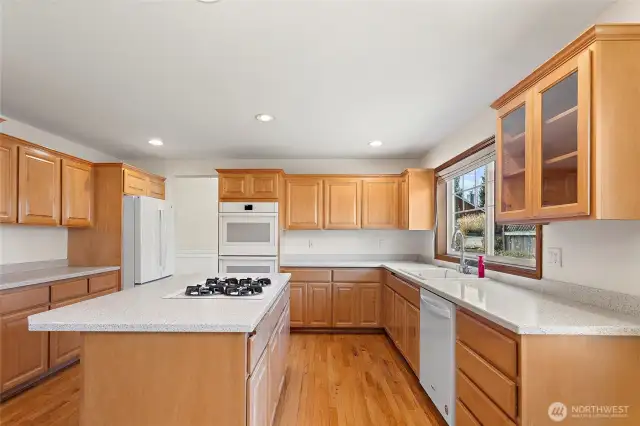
(248, 238)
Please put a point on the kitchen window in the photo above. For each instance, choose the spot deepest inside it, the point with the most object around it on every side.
(466, 201)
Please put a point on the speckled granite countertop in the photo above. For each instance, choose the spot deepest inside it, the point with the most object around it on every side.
(519, 310)
(45, 275)
(144, 309)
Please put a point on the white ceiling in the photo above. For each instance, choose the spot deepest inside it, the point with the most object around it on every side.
(335, 73)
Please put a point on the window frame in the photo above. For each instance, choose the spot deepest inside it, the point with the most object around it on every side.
(441, 251)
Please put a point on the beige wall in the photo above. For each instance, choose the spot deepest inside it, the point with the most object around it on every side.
(313, 242)
(19, 243)
(600, 254)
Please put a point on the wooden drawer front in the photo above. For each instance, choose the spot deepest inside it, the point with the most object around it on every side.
(495, 347)
(69, 290)
(360, 275)
(404, 289)
(479, 404)
(263, 332)
(135, 183)
(23, 299)
(103, 293)
(309, 275)
(464, 416)
(498, 387)
(103, 282)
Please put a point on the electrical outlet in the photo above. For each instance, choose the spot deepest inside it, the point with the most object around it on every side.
(380, 243)
(310, 243)
(554, 256)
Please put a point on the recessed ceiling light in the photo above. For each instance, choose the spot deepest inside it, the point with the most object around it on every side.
(265, 118)
(208, 1)
(156, 142)
(375, 143)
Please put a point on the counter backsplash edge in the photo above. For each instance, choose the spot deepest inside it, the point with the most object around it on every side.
(32, 266)
(627, 304)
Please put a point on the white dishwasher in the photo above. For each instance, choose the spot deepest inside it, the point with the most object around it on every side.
(437, 352)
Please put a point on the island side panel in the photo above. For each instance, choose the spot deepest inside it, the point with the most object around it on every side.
(580, 372)
(164, 379)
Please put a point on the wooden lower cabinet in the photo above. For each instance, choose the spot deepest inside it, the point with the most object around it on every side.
(298, 304)
(345, 301)
(401, 319)
(27, 355)
(258, 393)
(387, 309)
(412, 337)
(319, 305)
(64, 346)
(24, 353)
(353, 299)
(399, 312)
(266, 382)
(369, 309)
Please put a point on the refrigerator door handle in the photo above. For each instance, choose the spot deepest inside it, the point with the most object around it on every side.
(165, 239)
(160, 238)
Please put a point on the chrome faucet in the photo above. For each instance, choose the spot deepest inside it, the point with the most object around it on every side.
(463, 268)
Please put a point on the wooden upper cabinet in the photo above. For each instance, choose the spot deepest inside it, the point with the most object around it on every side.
(403, 212)
(77, 193)
(156, 188)
(342, 203)
(514, 159)
(140, 183)
(264, 186)
(303, 203)
(8, 180)
(567, 134)
(561, 140)
(234, 186)
(380, 203)
(135, 183)
(417, 200)
(39, 183)
(241, 185)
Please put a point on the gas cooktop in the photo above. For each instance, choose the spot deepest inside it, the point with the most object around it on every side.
(232, 287)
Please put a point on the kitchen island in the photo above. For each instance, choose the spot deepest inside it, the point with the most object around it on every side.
(152, 360)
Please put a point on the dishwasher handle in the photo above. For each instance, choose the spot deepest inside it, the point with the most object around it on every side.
(435, 309)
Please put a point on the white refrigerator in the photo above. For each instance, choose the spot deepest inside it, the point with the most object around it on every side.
(147, 239)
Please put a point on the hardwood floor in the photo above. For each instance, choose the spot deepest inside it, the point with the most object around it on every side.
(52, 403)
(344, 380)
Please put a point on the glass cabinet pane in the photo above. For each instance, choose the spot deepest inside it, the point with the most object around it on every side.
(512, 194)
(559, 138)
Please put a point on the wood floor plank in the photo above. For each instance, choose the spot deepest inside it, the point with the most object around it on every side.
(331, 380)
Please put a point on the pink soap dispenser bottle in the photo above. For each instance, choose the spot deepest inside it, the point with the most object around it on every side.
(480, 266)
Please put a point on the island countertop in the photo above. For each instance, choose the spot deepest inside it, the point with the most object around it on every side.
(144, 309)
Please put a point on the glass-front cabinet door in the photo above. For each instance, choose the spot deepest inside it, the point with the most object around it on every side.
(561, 141)
(514, 163)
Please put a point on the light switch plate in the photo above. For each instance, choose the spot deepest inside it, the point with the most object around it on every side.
(554, 256)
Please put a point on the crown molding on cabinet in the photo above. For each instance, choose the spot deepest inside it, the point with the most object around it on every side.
(600, 32)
